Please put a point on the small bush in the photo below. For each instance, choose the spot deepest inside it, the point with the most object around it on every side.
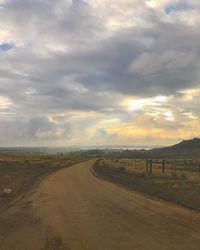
(183, 176)
(121, 168)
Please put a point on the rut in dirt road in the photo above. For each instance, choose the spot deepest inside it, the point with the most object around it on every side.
(73, 209)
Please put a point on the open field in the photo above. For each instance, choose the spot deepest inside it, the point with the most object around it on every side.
(74, 208)
(180, 182)
(19, 172)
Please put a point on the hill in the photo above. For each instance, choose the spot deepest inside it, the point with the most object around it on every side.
(186, 148)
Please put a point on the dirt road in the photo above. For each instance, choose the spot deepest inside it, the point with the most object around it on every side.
(73, 209)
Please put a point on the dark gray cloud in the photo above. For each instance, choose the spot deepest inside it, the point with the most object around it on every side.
(69, 56)
(34, 131)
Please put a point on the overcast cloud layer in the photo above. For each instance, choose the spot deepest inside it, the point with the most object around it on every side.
(99, 72)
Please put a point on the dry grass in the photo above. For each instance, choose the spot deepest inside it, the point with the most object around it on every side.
(179, 168)
(20, 170)
(179, 184)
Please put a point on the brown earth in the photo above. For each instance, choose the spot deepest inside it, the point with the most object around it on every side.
(73, 209)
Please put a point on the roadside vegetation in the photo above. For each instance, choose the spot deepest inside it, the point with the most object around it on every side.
(178, 183)
(20, 172)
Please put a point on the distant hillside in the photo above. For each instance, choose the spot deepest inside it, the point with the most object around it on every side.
(186, 148)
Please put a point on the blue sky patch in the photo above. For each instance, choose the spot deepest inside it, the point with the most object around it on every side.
(6, 46)
(179, 6)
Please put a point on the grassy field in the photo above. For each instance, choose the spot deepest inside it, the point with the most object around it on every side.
(180, 183)
(18, 172)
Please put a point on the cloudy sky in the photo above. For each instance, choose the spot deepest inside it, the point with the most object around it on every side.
(99, 72)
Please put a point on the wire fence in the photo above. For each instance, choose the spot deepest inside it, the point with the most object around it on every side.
(159, 167)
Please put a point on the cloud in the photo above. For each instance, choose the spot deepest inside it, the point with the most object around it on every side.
(65, 57)
(148, 64)
(34, 131)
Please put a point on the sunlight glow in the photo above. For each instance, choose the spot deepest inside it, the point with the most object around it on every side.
(156, 3)
(4, 102)
(169, 115)
(189, 94)
(141, 103)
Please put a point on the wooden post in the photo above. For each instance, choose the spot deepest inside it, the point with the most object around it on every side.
(163, 166)
(151, 167)
(147, 166)
(199, 169)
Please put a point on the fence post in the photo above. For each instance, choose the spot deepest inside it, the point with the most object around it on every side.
(199, 170)
(147, 166)
(151, 166)
(163, 166)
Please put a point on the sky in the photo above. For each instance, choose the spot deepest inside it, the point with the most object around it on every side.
(99, 72)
